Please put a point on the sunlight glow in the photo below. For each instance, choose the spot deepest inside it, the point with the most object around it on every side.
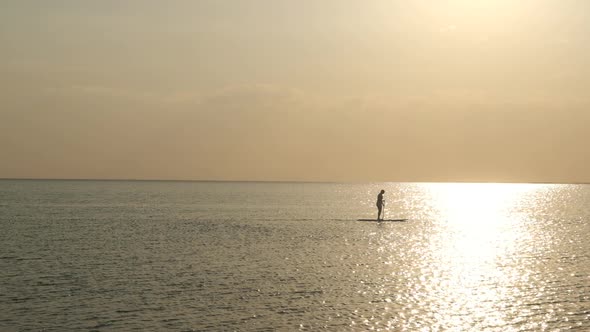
(479, 215)
(461, 202)
(482, 227)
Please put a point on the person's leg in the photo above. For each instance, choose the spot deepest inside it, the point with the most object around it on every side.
(380, 208)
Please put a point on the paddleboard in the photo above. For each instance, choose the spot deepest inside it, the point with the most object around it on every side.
(386, 220)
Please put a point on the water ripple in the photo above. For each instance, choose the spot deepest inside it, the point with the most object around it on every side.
(130, 256)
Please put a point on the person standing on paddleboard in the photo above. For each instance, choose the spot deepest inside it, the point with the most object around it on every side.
(380, 204)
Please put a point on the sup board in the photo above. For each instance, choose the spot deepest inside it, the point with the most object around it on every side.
(386, 220)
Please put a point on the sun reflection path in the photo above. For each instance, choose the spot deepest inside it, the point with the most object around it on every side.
(479, 231)
(480, 216)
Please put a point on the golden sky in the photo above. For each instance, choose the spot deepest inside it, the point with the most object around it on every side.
(381, 90)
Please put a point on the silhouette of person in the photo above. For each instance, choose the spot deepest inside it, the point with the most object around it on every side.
(380, 204)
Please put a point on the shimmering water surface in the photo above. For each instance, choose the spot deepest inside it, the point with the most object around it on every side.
(191, 256)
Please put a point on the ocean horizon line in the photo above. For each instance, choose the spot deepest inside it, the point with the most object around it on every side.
(279, 181)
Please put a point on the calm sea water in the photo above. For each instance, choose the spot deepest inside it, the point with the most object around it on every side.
(192, 256)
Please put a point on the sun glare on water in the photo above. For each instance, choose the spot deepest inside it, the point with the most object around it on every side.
(466, 204)
(481, 218)
(480, 230)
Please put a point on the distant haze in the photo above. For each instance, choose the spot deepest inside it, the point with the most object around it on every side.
(383, 90)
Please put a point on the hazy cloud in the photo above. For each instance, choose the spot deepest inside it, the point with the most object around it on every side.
(380, 90)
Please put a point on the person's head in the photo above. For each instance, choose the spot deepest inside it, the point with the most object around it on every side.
(382, 191)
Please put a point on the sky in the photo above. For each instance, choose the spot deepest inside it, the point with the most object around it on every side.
(276, 90)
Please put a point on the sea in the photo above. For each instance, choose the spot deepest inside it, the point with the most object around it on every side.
(254, 256)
